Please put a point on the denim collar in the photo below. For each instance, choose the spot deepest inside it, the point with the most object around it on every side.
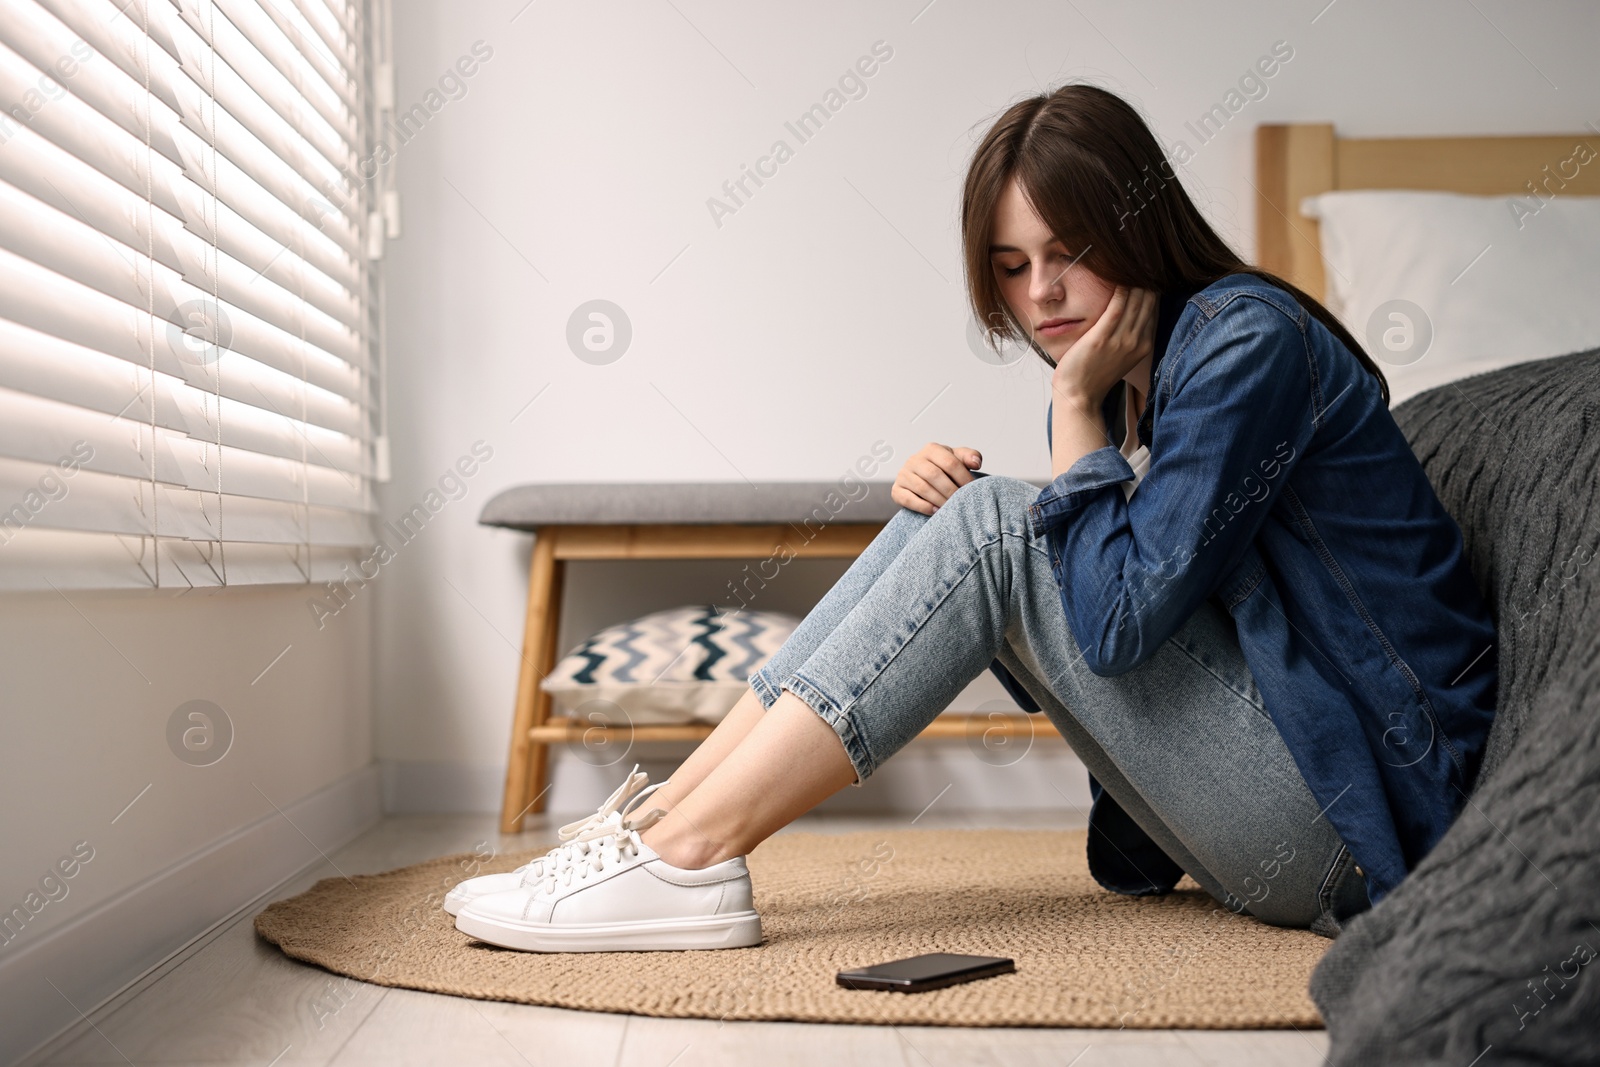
(1169, 309)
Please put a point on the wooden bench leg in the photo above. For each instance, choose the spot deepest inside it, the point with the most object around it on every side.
(527, 767)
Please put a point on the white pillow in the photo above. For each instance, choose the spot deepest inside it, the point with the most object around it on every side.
(687, 664)
(1495, 280)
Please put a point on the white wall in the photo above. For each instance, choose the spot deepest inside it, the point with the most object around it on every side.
(827, 312)
(158, 849)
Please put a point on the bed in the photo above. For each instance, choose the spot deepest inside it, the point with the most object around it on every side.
(1485, 945)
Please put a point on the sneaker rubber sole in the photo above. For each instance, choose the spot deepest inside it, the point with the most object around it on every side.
(737, 930)
(454, 902)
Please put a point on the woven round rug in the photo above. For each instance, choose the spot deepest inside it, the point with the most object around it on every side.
(1085, 957)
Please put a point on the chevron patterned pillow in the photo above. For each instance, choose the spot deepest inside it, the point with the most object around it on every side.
(686, 664)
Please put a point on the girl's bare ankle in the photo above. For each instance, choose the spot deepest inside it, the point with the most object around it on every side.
(683, 846)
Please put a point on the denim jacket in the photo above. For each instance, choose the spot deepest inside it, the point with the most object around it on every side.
(1280, 485)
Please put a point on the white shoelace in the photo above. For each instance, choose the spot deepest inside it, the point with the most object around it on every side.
(578, 835)
(605, 845)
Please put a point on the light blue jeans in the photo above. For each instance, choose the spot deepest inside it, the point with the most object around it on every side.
(1183, 742)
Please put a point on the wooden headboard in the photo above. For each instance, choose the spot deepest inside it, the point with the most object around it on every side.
(1304, 159)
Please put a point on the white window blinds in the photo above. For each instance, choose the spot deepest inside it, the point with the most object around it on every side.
(189, 390)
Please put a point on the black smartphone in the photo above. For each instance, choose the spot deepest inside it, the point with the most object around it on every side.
(932, 971)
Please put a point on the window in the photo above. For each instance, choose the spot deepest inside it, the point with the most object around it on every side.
(190, 356)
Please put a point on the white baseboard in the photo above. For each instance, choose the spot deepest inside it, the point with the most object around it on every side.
(102, 952)
(1047, 777)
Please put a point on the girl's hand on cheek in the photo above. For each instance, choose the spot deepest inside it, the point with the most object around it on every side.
(1119, 339)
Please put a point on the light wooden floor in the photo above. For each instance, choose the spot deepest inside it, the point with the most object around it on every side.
(234, 999)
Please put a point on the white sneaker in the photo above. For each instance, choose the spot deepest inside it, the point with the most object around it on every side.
(612, 813)
(621, 896)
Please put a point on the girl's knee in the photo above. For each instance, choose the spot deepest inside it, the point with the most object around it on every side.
(994, 502)
(904, 516)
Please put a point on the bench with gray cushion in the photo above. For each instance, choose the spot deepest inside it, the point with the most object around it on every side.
(1488, 944)
(528, 507)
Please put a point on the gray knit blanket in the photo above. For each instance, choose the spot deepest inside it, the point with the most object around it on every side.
(1487, 953)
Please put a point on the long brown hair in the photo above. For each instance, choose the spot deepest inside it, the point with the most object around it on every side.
(1098, 178)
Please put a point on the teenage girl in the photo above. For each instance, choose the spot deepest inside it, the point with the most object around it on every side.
(1238, 599)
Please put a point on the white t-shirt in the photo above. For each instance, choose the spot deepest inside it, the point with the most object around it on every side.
(1138, 455)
